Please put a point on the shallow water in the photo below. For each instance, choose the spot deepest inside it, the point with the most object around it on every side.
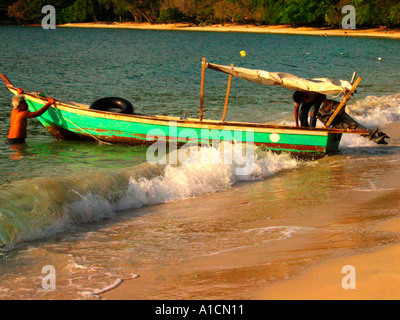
(219, 245)
(99, 213)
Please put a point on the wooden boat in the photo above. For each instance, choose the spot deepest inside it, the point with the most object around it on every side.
(74, 121)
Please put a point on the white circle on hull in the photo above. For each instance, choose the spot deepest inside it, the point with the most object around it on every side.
(274, 137)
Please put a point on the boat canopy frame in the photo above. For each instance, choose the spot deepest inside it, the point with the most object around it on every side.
(285, 80)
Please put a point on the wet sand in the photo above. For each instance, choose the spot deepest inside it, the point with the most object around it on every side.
(227, 245)
(377, 277)
(281, 29)
(377, 273)
(308, 266)
(283, 237)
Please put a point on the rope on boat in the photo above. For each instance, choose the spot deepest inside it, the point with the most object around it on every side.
(98, 140)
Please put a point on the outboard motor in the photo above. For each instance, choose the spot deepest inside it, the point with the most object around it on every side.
(113, 104)
(344, 121)
(378, 136)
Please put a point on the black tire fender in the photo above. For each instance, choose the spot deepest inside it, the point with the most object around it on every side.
(113, 104)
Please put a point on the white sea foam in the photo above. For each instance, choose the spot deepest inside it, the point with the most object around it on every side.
(266, 235)
(284, 232)
(371, 112)
(355, 141)
(194, 178)
(62, 203)
(75, 200)
(376, 111)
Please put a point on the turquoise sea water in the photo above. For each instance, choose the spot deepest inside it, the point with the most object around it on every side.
(56, 190)
(159, 72)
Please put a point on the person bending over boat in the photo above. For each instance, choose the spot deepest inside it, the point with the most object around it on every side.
(306, 101)
(344, 121)
(19, 116)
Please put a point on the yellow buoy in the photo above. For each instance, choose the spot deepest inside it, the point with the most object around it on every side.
(243, 53)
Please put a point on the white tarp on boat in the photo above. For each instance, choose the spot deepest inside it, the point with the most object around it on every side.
(285, 80)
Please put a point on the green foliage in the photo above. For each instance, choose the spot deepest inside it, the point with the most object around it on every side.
(4, 4)
(121, 9)
(365, 11)
(375, 13)
(272, 12)
(79, 11)
(30, 11)
(306, 12)
(317, 13)
(394, 15)
(172, 15)
(205, 16)
(26, 11)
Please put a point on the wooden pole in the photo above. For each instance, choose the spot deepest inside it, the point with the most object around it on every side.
(343, 102)
(228, 89)
(203, 72)
(353, 77)
(5, 79)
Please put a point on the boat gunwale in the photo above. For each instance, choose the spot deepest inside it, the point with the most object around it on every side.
(216, 124)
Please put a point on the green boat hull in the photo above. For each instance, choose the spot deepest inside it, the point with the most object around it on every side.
(70, 121)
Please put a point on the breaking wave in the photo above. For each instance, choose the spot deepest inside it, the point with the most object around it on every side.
(372, 112)
(376, 111)
(41, 207)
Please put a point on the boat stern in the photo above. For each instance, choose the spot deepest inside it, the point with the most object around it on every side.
(333, 142)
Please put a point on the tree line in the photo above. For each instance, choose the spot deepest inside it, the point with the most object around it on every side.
(315, 13)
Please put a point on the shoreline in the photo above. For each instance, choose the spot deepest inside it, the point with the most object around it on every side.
(376, 276)
(280, 29)
(377, 273)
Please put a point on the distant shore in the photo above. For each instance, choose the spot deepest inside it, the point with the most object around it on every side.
(382, 32)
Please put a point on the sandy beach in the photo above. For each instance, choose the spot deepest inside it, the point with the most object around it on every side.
(199, 232)
(377, 274)
(280, 29)
(377, 277)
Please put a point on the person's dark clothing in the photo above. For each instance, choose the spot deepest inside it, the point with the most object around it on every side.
(312, 104)
(15, 141)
